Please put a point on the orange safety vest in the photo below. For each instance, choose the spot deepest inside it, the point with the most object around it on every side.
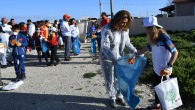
(45, 31)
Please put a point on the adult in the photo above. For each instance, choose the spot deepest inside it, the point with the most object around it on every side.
(11, 23)
(4, 39)
(66, 36)
(31, 31)
(105, 19)
(115, 37)
(6, 28)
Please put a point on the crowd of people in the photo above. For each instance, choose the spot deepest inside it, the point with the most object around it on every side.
(112, 37)
(42, 36)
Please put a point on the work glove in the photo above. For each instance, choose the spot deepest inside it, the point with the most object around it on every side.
(18, 44)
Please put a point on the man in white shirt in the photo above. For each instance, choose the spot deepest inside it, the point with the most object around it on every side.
(66, 36)
(6, 32)
(31, 31)
(6, 28)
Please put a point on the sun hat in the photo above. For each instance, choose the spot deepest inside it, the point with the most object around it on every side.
(53, 29)
(151, 21)
(66, 16)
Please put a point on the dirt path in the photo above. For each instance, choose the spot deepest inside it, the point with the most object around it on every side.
(62, 87)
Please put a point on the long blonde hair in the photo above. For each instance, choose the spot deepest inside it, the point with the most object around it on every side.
(153, 33)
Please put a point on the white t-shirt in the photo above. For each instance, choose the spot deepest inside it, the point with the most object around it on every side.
(31, 29)
(74, 31)
(161, 53)
(65, 29)
(7, 28)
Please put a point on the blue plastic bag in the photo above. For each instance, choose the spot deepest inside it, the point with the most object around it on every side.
(45, 46)
(76, 46)
(128, 75)
(93, 45)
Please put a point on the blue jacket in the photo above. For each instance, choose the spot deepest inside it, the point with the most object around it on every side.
(19, 50)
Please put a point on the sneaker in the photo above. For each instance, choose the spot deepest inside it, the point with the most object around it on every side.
(121, 101)
(113, 103)
(58, 63)
(23, 77)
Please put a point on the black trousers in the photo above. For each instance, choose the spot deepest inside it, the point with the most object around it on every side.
(54, 55)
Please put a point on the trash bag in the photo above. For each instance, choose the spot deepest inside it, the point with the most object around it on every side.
(93, 45)
(76, 46)
(128, 75)
(44, 46)
(60, 40)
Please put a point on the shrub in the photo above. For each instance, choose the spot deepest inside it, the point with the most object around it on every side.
(184, 67)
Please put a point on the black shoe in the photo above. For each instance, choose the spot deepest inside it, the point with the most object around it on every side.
(17, 78)
(67, 59)
(4, 66)
(39, 60)
(23, 77)
(58, 63)
(113, 103)
(50, 64)
(10, 62)
(121, 101)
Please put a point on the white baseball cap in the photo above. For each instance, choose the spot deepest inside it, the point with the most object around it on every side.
(53, 29)
(151, 21)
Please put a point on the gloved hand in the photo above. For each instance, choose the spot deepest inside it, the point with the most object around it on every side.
(131, 60)
(45, 39)
(18, 44)
(13, 42)
(166, 71)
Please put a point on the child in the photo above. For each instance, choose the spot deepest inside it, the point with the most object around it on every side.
(98, 34)
(36, 37)
(18, 42)
(53, 40)
(164, 52)
(74, 35)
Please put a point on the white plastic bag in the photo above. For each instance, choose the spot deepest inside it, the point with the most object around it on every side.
(12, 86)
(168, 93)
(60, 41)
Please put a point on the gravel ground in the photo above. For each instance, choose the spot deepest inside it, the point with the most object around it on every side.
(63, 87)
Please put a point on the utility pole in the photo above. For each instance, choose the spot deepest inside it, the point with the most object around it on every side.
(111, 9)
(100, 2)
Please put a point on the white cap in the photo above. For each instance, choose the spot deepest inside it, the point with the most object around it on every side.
(151, 21)
(53, 29)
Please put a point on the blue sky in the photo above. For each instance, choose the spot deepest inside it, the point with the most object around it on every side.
(54, 9)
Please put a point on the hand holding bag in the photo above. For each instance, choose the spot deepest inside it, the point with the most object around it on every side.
(168, 93)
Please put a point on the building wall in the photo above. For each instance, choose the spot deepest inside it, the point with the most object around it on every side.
(182, 23)
(185, 9)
